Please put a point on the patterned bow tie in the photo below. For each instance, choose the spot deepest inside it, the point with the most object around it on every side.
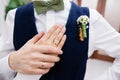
(42, 6)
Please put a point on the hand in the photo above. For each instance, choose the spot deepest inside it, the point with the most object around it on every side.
(54, 37)
(39, 54)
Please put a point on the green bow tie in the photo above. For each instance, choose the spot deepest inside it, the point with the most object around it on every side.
(42, 6)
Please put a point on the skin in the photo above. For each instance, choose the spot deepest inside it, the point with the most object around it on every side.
(43, 48)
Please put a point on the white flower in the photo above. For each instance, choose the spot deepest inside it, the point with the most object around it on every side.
(83, 20)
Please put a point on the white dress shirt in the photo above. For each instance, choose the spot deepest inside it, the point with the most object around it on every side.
(101, 37)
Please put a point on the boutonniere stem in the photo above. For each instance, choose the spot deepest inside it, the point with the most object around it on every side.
(82, 22)
(84, 31)
(80, 34)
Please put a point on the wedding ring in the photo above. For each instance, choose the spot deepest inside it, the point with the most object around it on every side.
(55, 43)
(43, 65)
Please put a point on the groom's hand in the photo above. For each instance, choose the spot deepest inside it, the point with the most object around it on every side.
(40, 53)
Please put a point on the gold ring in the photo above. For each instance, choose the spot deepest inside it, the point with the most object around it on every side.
(55, 43)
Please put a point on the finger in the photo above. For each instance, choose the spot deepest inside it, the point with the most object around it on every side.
(42, 65)
(50, 32)
(49, 58)
(44, 57)
(60, 45)
(45, 65)
(36, 38)
(56, 33)
(59, 37)
(46, 49)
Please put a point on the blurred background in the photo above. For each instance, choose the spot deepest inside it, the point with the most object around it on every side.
(99, 61)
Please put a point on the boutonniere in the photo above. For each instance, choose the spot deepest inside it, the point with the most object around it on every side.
(82, 22)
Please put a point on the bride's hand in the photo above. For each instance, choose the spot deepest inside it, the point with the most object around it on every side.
(54, 37)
